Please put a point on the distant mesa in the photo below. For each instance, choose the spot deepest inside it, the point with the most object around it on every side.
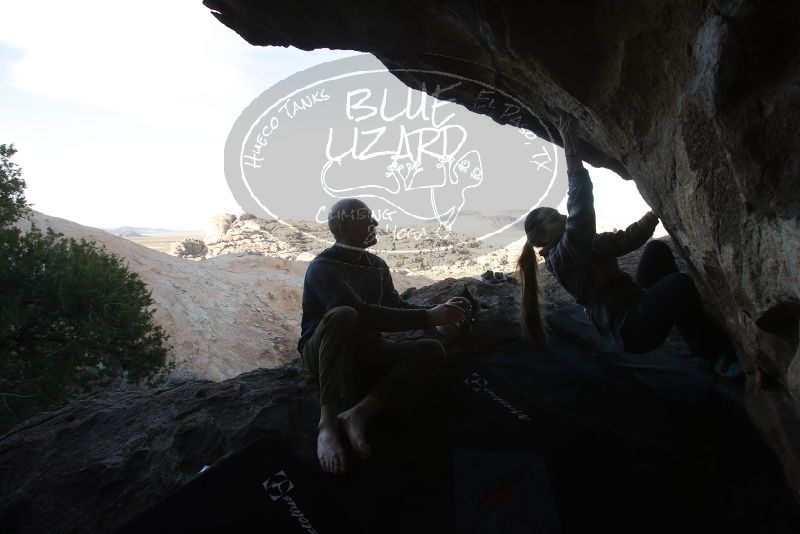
(142, 231)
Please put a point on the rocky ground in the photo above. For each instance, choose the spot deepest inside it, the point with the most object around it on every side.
(98, 462)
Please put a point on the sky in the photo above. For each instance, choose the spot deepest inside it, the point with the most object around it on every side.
(120, 116)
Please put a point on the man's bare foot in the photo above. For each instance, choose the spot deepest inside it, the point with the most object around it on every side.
(332, 455)
(354, 423)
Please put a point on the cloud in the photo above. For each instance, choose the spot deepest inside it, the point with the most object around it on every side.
(142, 99)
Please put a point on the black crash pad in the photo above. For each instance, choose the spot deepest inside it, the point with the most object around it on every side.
(576, 438)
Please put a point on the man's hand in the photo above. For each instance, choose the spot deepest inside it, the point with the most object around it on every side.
(451, 312)
(461, 302)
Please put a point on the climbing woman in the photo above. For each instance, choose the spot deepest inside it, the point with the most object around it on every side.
(638, 314)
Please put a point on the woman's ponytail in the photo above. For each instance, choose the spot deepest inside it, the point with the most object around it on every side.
(533, 324)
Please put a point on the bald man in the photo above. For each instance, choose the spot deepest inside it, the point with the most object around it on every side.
(348, 299)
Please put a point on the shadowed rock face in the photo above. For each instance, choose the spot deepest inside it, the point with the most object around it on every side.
(100, 461)
(697, 102)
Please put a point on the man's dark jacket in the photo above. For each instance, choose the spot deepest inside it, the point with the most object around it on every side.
(365, 284)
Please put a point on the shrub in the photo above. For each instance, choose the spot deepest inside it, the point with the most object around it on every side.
(12, 186)
(72, 317)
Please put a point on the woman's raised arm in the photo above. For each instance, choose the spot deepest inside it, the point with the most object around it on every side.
(568, 128)
(579, 230)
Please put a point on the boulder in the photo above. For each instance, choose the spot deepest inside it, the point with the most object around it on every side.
(217, 226)
(697, 102)
(189, 248)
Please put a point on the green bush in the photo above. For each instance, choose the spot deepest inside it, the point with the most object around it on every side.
(72, 317)
(12, 186)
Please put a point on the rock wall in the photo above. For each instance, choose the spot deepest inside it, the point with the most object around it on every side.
(95, 464)
(696, 101)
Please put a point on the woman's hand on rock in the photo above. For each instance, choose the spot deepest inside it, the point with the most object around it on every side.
(568, 128)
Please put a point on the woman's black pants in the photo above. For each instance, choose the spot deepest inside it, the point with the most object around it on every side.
(671, 300)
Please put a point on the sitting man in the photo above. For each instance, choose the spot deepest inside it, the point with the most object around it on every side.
(348, 299)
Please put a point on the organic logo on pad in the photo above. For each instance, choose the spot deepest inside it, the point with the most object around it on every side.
(278, 485)
(478, 383)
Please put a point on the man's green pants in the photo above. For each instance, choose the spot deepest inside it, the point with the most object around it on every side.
(345, 361)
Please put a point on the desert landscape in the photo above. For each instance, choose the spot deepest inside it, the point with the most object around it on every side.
(230, 297)
(161, 240)
(227, 314)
